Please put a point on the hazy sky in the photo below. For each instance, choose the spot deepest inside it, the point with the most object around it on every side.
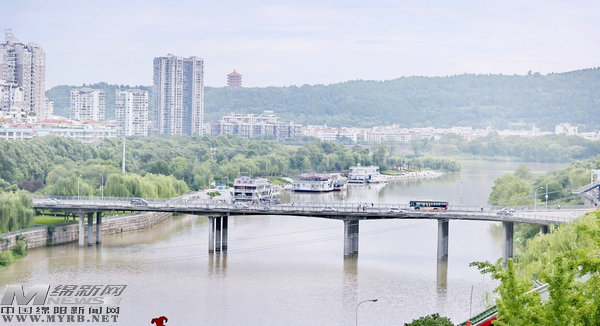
(281, 43)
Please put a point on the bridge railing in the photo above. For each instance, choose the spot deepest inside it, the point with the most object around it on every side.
(524, 214)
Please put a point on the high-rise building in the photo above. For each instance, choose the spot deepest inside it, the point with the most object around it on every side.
(178, 96)
(234, 79)
(49, 108)
(87, 104)
(11, 101)
(25, 65)
(131, 112)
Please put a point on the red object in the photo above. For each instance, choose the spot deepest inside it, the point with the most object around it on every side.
(160, 321)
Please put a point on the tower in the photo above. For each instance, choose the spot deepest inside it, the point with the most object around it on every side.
(234, 80)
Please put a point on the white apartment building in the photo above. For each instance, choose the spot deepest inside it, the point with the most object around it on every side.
(25, 65)
(87, 104)
(252, 125)
(131, 112)
(566, 129)
(49, 108)
(11, 101)
(178, 94)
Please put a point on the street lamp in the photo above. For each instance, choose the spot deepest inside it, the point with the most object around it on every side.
(535, 198)
(547, 196)
(78, 186)
(102, 185)
(370, 300)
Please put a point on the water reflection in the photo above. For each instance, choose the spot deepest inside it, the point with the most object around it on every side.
(217, 265)
(442, 276)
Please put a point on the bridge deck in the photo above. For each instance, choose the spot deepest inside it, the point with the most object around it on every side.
(320, 210)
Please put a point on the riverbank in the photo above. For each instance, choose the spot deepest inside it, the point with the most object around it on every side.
(41, 236)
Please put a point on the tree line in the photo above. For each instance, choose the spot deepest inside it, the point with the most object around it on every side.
(549, 148)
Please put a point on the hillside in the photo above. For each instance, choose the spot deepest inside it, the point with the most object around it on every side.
(500, 101)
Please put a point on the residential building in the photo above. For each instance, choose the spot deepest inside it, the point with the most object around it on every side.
(25, 65)
(11, 101)
(255, 125)
(178, 96)
(234, 80)
(566, 129)
(87, 132)
(131, 112)
(49, 108)
(87, 104)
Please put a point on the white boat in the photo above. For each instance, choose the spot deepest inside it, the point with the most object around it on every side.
(318, 183)
(365, 174)
(259, 190)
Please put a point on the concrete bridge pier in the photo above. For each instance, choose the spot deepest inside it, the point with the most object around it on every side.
(98, 227)
(543, 229)
(224, 233)
(350, 238)
(217, 234)
(90, 228)
(211, 234)
(442, 246)
(80, 233)
(507, 236)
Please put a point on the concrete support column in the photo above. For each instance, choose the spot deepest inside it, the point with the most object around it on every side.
(90, 228)
(350, 237)
(224, 235)
(218, 235)
(81, 235)
(507, 236)
(211, 234)
(442, 246)
(543, 229)
(98, 227)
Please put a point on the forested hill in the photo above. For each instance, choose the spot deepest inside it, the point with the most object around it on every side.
(500, 101)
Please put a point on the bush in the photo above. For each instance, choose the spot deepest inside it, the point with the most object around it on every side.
(20, 248)
(6, 258)
(432, 320)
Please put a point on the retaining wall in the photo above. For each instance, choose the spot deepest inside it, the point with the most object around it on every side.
(41, 236)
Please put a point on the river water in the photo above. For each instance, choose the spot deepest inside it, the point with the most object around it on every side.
(291, 271)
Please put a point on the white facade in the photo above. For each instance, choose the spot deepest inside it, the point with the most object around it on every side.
(92, 132)
(25, 66)
(178, 95)
(566, 129)
(253, 125)
(49, 108)
(131, 112)
(87, 104)
(11, 101)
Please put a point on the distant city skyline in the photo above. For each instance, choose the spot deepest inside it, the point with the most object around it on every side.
(279, 43)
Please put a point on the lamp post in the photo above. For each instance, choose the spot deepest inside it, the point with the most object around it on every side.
(102, 185)
(370, 300)
(547, 196)
(453, 191)
(78, 186)
(535, 198)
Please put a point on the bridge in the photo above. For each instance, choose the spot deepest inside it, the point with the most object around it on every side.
(349, 213)
(590, 192)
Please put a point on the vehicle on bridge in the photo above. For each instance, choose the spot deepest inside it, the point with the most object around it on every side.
(429, 205)
(138, 202)
(395, 210)
(505, 212)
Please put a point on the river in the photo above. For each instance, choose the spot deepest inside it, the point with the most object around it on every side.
(291, 271)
